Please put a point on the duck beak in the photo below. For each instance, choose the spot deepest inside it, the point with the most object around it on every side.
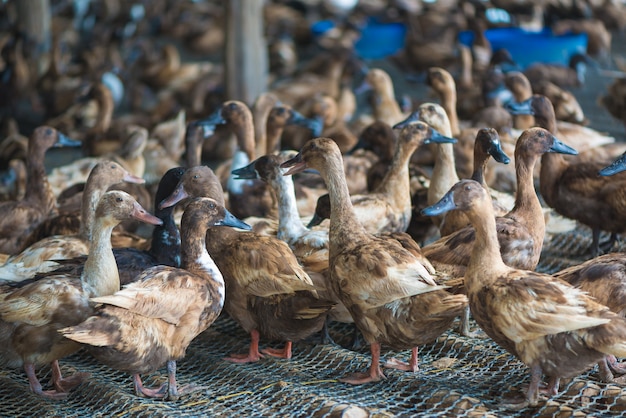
(315, 220)
(561, 148)
(214, 119)
(413, 117)
(131, 178)
(523, 108)
(444, 205)
(294, 165)
(245, 173)
(177, 195)
(616, 166)
(64, 141)
(142, 215)
(314, 124)
(437, 138)
(496, 152)
(231, 220)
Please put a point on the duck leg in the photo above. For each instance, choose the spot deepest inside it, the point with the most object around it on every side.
(532, 394)
(411, 366)
(608, 366)
(140, 390)
(608, 244)
(375, 373)
(66, 384)
(174, 392)
(616, 366)
(253, 352)
(284, 353)
(35, 385)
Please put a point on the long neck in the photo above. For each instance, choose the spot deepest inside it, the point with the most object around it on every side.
(193, 146)
(448, 102)
(480, 165)
(290, 226)
(485, 259)
(37, 187)
(396, 183)
(552, 165)
(274, 133)
(166, 242)
(195, 257)
(444, 173)
(260, 130)
(527, 205)
(91, 196)
(345, 229)
(100, 276)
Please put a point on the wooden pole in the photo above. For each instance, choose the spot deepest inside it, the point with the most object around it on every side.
(246, 50)
(33, 17)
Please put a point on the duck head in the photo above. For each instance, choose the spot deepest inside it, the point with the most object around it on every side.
(462, 196)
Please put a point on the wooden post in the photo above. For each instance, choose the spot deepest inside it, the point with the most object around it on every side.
(33, 18)
(246, 50)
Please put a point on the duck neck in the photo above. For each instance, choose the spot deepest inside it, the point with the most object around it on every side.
(444, 173)
(274, 133)
(195, 257)
(38, 189)
(91, 196)
(290, 226)
(240, 159)
(387, 108)
(165, 246)
(100, 276)
(345, 229)
(193, 146)
(552, 165)
(480, 165)
(527, 203)
(448, 102)
(485, 259)
(396, 186)
(260, 130)
(105, 111)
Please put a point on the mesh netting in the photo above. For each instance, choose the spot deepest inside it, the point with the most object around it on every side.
(458, 376)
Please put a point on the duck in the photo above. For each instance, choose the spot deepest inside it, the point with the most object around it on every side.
(249, 198)
(151, 322)
(13, 181)
(554, 328)
(590, 143)
(572, 75)
(19, 218)
(566, 106)
(444, 173)
(164, 248)
(487, 144)
(562, 182)
(310, 246)
(388, 208)
(40, 256)
(268, 293)
(32, 312)
(391, 296)
(521, 231)
(130, 156)
(385, 106)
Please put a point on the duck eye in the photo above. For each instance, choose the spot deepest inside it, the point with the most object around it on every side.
(196, 176)
(211, 205)
(49, 131)
(118, 199)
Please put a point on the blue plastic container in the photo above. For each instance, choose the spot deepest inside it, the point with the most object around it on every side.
(378, 40)
(527, 47)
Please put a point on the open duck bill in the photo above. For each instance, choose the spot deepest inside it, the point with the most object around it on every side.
(561, 148)
(522, 108)
(294, 165)
(445, 204)
(131, 178)
(246, 173)
(65, 141)
(230, 220)
(616, 166)
(142, 215)
(177, 195)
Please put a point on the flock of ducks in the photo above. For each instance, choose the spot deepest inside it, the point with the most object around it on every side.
(285, 241)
